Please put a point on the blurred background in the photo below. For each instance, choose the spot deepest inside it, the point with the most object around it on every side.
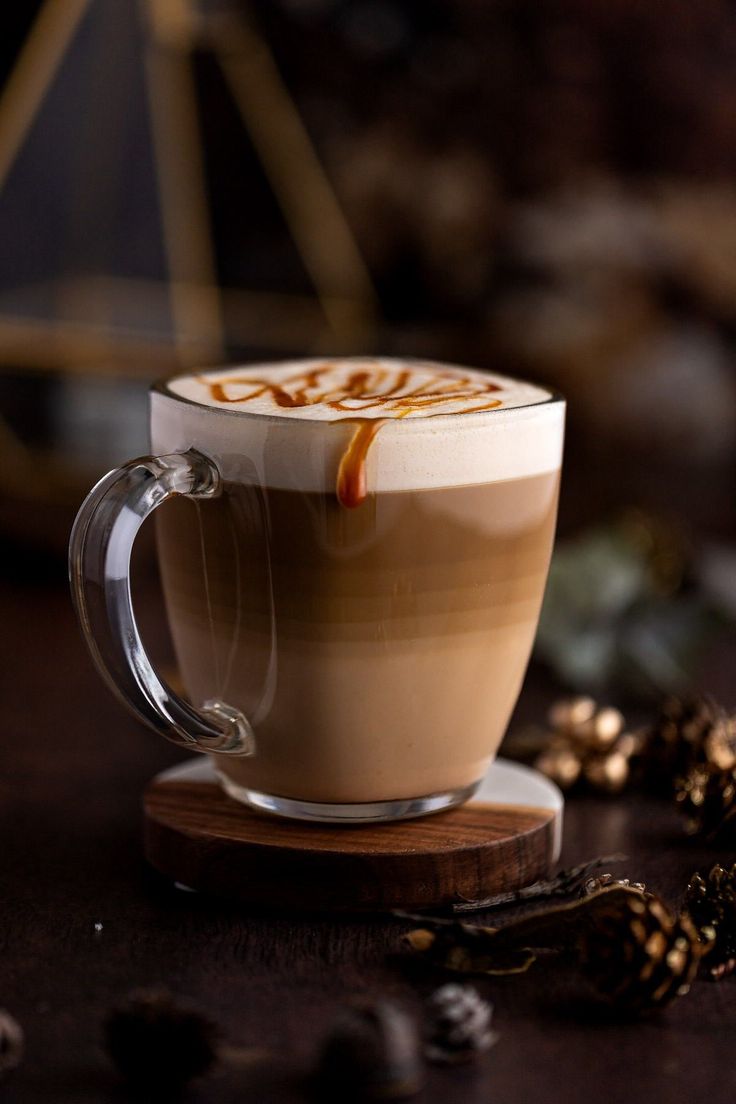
(542, 187)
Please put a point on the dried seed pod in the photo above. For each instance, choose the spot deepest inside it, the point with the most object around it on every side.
(710, 902)
(707, 797)
(468, 948)
(603, 729)
(569, 713)
(11, 1042)
(609, 773)
(371, 1053)
(460, 1027)
(155, 1041)
(565, 883)
(603, 881)
(561, 765)
(588, 742)
(630, 744)
(719, 746)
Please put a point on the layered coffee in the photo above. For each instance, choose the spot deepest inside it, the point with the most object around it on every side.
(367, 586)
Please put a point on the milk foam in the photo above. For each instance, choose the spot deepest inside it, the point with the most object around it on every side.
(443, 445)
(241, 387)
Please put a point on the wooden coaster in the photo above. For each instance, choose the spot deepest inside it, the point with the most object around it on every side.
(506, 837)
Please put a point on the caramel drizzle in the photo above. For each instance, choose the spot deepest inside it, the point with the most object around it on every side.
(352, 483)
(365, 389)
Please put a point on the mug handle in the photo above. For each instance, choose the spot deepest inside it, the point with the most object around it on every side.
(99, 573)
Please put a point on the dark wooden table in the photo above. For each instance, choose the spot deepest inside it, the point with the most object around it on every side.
(73, 768)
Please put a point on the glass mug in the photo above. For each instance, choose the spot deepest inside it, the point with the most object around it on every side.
(353, 555)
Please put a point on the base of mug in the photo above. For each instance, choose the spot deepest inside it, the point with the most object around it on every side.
(364, 812)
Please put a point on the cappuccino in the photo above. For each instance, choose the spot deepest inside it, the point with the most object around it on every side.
(366, 588)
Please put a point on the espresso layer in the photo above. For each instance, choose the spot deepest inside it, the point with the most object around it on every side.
(377, 652)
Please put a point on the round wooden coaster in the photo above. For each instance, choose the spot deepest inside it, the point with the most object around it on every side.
(507, 836)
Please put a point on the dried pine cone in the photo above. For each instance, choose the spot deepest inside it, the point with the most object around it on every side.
(371, 1053)
(460, 1024)
(688, 732)
(638, 955)
(710, 903)
(707, 797)
(155, 1041)
(11, 1042)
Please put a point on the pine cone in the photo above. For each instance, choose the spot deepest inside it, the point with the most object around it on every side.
(371, 1053)
(638, 955)
(710, 903)
(155, 1041)
(688, 732)
(461, 1024)
(707, 797)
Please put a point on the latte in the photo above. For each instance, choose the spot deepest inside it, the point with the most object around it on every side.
(367, 586)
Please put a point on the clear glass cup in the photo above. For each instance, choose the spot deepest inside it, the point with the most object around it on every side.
(340, 664)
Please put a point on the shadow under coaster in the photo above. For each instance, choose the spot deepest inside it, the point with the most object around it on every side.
(507, 836)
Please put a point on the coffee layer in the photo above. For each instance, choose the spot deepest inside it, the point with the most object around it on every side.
(377, 652)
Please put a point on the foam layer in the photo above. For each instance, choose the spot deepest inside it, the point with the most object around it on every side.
(444, 443)
(328, 390)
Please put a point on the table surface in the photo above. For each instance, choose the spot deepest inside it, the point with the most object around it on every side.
(73, 769)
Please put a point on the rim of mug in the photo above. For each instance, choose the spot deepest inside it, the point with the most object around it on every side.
(161, 387)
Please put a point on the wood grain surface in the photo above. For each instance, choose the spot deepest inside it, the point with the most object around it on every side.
(196, 835)
(73, 769)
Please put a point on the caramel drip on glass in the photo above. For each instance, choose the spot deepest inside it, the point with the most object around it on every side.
(352, 484)
(365, 389)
